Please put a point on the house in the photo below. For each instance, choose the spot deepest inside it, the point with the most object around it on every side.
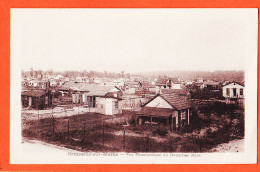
(97, 98)
(199, 80)
(128, 89)
(33, 83)
(169, 83)
(58, 77)
(53, 83)
(189, 82)
(172, 110)
(102, 99)
(233, 90)
(80, 79)
(181, 92)
(119, 82)
(43, 84)
(132, 102)
(210, 85)
(131, 87)
(37, 99)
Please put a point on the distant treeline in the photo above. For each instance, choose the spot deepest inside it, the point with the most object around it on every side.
(75, 73)
(237, 76)
(221, 76)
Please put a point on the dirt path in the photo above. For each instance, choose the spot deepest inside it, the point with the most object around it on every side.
(36, 146)
(232, 146)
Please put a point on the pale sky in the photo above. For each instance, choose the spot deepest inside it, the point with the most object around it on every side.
(132, 40)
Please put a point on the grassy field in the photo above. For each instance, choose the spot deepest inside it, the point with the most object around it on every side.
(96, 132)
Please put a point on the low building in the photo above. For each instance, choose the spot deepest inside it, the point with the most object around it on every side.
(210, 85)
(168, 83)
(102, 99)
(172, 110)
(132, 102)
(199, 80)
(53, 83)
(36, 99)
(96, 97)
(233, 90)
(80, 79)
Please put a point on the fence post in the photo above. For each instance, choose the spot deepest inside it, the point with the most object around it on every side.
(38, 124)
(103, 136)
(53, 130)
(124, 139)
(103, 131)
(147, 143)
(68, 129)
(84, 131)
(171, 145)
(92, 124)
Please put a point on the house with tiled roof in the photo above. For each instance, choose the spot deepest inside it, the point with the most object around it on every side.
(36, 99)
(169, 108)
(168, 83)
(105, 99)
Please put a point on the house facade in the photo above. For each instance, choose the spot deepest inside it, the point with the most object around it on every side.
(103, 99)
(172, 110)
(168, 83)
(36, 99)
(233, 90)
(97, 98)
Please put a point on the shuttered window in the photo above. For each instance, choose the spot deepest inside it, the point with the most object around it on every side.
(228, 91)
(241, 91)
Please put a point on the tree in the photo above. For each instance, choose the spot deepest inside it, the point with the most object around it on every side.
(105, 73)
(122, 74)
(31, 72)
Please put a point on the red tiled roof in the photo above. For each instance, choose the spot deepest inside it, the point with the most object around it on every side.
(177, 101)
(161, 81)
(152, 111)
(175, 80)
(33, 93)
(181, 92)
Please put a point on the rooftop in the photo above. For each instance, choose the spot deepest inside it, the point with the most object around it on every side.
(33, 93)
(152, 111)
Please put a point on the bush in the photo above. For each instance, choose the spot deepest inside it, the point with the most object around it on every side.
(161, 132)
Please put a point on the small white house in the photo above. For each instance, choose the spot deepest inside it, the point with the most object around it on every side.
(33, 83)
(233, 90)
(119, 82)
(80, 79)
(53, 83)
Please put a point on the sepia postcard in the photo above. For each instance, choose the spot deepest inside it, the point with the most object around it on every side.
(133, 86)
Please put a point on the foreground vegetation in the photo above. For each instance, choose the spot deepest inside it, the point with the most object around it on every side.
(96, 132)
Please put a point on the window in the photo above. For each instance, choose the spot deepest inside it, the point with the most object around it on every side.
(91, 101)
(116, 104)
(241, 91)
(228, 91)
(183, 115)
(234, 92)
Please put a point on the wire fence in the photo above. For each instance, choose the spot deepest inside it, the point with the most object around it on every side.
(92, 132)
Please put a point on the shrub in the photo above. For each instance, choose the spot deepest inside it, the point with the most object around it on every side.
(161, 132)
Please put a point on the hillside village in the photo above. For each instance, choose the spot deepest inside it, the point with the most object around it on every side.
(166, 104)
